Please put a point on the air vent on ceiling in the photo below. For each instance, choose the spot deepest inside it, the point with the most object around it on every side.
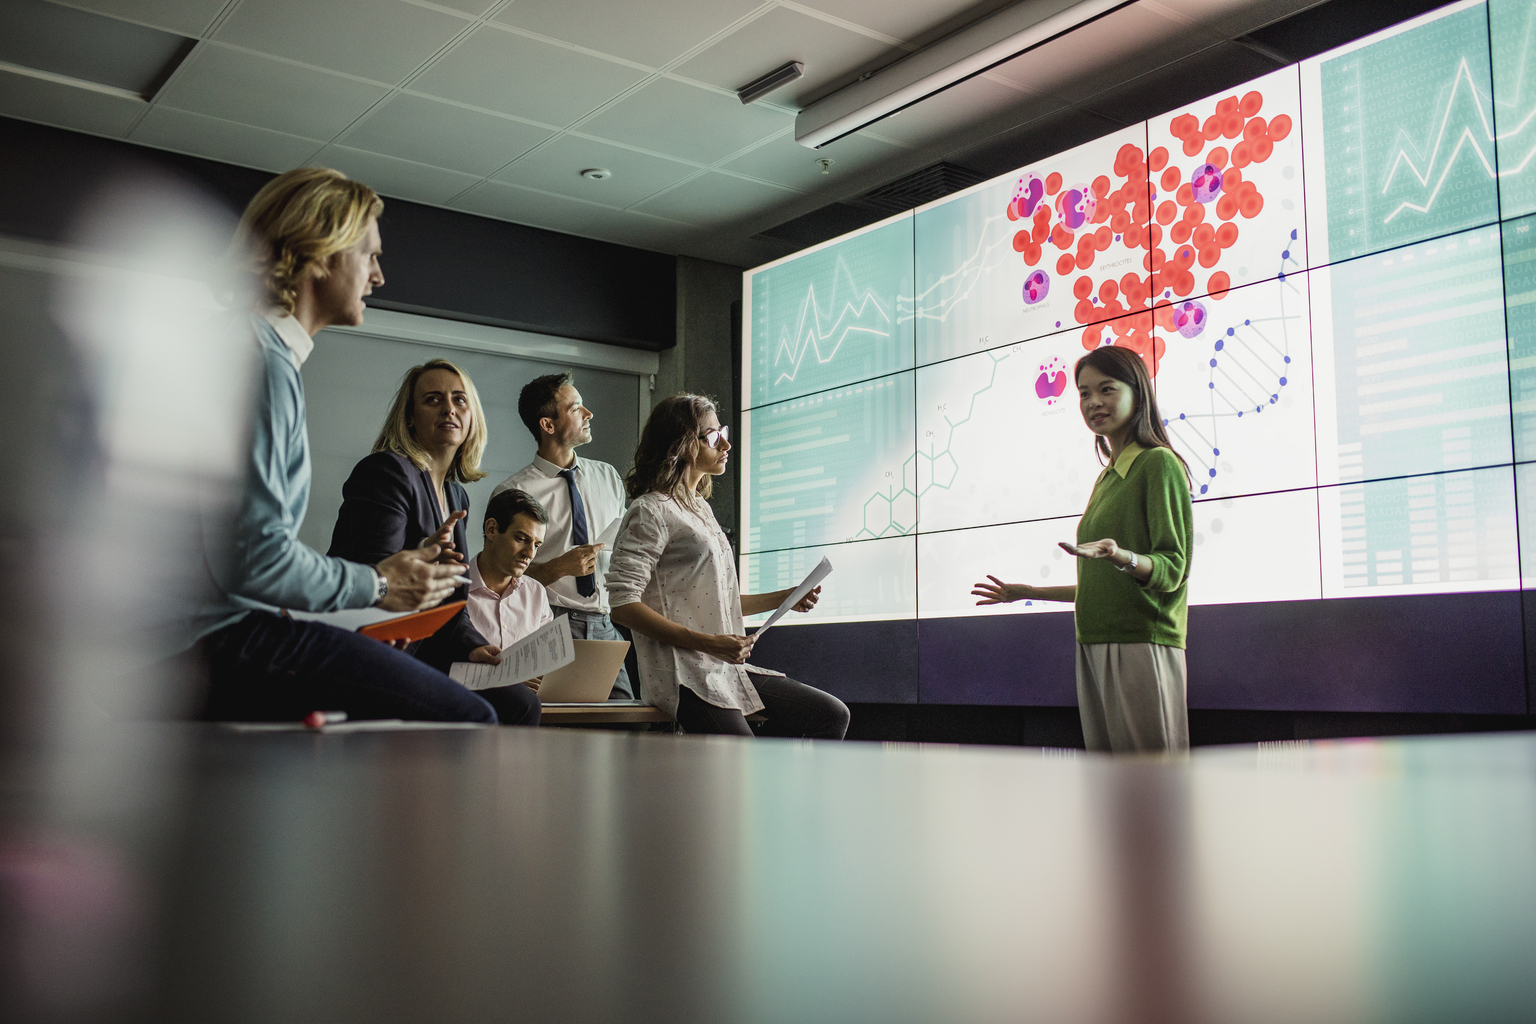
(919, 187)
(86, 50)
(915, 189)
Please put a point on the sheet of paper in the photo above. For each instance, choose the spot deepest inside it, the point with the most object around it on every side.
(350, 619)
(811, 581)
(545, 649)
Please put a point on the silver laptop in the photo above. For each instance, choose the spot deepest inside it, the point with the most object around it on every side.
(589, 679)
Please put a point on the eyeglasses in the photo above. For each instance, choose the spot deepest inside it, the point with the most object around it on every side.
(715, 437)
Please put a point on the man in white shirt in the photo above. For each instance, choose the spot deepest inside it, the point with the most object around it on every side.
(504, 604)
(585, 501)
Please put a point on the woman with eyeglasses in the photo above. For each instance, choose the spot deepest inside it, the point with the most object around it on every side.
(672, 582)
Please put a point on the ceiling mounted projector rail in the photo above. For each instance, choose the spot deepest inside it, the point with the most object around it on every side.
(992, 41)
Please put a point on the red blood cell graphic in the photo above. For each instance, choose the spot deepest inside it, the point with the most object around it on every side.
(1020, 240)
(1061, 238)
(1262, 148)
(1065, 265)
(1232, 126)
(1031, 254)
(1085, 258)
(1279, 128)
(1166, 212)
(1170, 179)
(1251, 103)
(1108, 291)
(1082, 287)
(1251, 205)
(1101, 187)
(1036, 287)
(1052, 183)
(1210, 255)
(1226, 206)
(1220, 284)
(1204, 235)
(1040, 232)
(1226, 235)
(1254, 129)
(1102, 238)
(1180, 232)
(1242, 155)
(1157, 159)
(1194, 213)
(1217, 157)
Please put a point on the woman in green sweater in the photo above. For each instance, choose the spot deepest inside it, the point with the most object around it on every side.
(1131, 584)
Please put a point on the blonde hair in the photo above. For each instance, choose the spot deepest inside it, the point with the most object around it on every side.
(397, 436)
(297, 222)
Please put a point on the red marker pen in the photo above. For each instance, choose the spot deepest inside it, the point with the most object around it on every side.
(320, 719)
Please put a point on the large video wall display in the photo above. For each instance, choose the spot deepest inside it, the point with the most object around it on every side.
(1331, 274)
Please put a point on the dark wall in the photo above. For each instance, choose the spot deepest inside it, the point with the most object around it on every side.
(437, 262)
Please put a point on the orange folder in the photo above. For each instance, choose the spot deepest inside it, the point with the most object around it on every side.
(417, 626)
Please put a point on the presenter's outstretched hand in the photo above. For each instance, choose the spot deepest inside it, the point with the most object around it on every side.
(443, 539)
(998, 592)
(416, 579)
(1093, 549)
(728, 647)
(488, 654)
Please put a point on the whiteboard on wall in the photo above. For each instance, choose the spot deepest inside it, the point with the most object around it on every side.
(351, 378)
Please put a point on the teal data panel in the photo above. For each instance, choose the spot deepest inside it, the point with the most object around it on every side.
(829, 316)
(1520, 316)
(871, 580)
(1435, 534)
(1400, 137)
(1412, 372)
(1512, 25)
(831, 467)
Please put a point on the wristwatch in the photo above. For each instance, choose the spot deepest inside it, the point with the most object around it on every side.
(380, 587)
(1129, 566)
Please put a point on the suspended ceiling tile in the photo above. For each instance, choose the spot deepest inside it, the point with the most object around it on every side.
(557, 167)
(268, 93)
(504, 71)
(652, 34)
(540, 209)
(87, 46)
(188, 17)
(829, 53)
(714, 199)
(1233, 17)
(672, 117)
(785, 162)
(400, 179)
(432, 132)
(908, 19)
(475, 7)
(67, 106)
(644, 231)
(185, 132)
(957, 109)
(1117, 47)
(384, 40)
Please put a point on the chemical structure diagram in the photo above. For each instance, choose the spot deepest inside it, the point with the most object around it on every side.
(894, 512)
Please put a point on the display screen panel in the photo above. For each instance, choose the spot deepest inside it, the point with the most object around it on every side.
(1330, 273)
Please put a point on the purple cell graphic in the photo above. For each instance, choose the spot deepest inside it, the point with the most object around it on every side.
(1189, 318)
(1205, 183)
(1027, 195)
(1036, 286)
(1075, 206)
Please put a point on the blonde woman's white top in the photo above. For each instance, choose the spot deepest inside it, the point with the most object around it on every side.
(677, 561)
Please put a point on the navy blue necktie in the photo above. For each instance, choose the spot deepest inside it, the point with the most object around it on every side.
(586, 585)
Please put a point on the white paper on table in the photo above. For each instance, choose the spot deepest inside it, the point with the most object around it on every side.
(814, 578)
(545, 649)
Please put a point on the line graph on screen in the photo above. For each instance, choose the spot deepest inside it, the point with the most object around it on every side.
(823, 333)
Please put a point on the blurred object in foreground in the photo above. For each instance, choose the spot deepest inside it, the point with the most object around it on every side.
(125, 422)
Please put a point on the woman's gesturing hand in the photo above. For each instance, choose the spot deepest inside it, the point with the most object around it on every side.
(1094, 549)
(728, 647)
(443, 539)
(998, 592)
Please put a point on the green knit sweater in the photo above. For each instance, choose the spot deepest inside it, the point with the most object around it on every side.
(1142, 503)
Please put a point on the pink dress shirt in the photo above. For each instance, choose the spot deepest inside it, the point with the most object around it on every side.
(506, 618)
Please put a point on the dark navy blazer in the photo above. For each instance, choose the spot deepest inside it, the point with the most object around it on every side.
(388, 505)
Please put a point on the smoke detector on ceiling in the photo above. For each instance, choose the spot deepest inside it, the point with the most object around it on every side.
(597, 174)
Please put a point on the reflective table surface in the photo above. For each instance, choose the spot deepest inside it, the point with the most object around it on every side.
(553, 875)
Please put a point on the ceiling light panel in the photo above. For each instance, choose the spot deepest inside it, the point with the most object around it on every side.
(88, 47)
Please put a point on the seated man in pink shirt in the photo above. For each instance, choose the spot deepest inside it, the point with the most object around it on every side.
(504, 604)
